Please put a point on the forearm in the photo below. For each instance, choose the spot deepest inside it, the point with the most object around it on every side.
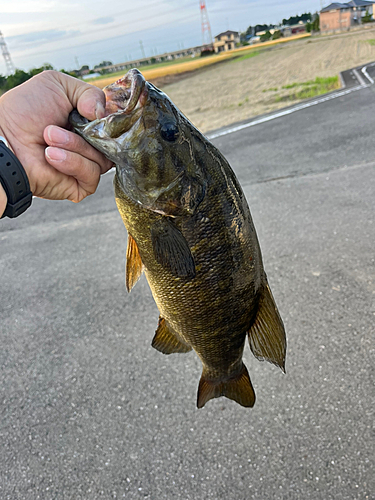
(3, 200)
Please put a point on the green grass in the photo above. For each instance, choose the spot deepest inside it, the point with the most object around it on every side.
(145, 66)
(371, 41)
(273, 89)
(329, 81)
(246, 56)
(243, 102)
(310, 88)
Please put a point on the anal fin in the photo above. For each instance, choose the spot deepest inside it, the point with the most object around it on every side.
(267, 337)
(238, 388)
(166, 341)
(134, 266)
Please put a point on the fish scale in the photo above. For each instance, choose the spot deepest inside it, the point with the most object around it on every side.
(190, 229)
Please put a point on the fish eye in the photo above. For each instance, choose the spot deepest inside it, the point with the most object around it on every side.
(169, 131)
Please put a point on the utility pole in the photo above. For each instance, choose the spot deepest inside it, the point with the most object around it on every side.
(142, 49)
(8, 61)
(206, 28)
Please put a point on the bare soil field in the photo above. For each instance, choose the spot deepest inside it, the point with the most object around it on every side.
(239, 89)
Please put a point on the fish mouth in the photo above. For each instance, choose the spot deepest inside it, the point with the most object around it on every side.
(126, 93)
(125, 100)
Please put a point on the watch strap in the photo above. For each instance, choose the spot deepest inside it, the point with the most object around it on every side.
(14, 181)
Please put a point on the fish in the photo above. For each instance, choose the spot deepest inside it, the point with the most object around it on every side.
(191, 232)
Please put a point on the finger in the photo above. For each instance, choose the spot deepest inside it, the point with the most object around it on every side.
(61, 138)
(86, 172)
(89, 100)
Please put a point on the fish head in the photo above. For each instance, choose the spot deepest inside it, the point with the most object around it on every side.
(155, 148)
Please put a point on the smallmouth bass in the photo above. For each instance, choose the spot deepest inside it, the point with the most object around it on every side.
(190, 230)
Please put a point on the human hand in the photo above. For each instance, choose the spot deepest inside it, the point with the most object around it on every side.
(34, 115)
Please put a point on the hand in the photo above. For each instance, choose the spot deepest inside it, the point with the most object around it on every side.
(34, 115)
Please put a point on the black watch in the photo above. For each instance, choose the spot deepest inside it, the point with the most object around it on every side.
(14, 181)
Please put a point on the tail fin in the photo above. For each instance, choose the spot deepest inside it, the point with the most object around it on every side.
(267, 335)
(238, 388)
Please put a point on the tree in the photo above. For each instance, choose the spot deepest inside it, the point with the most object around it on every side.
(44, 67)
(315, 23)
(267, 36)
(103, 64)
(367, 18)
(18, 77)
(295, 19)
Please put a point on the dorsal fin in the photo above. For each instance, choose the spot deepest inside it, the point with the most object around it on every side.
(134, 266)
(238, 388)
(267, 335)
(166, 341)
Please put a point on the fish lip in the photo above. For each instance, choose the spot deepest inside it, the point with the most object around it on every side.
(133, 84)
(134, 88)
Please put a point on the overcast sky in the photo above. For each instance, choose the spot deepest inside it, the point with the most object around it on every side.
(70, 33)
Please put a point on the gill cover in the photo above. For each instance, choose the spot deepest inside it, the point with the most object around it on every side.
(150, 143)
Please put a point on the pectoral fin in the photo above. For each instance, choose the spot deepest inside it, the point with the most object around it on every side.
(267, 335)
(238, 388)
(171, 249)
(166, 341)
(134, 266)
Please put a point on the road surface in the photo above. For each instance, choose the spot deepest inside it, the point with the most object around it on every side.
(89, 410)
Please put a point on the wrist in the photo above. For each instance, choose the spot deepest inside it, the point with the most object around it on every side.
(15, 184)
(3, 195)
(3, 200)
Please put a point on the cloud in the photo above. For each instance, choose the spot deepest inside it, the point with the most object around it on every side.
(103, 20)
(40, 37)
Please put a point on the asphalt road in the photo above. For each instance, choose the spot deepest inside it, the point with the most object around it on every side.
(89, 410)
(361, 75)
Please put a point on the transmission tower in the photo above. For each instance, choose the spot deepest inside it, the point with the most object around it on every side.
(206, 28)
(8, 61)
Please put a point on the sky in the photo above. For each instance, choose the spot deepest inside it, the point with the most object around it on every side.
(72, 33)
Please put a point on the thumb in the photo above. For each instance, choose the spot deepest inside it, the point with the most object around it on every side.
(89, 100)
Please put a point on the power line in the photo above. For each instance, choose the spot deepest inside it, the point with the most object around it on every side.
(91, 43)
(8, 60)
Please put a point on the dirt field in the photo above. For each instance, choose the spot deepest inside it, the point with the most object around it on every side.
(236, 90)
(177, 69)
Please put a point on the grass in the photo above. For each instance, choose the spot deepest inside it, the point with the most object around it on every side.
(246, 56)
(243, 102)
(371, 41)
(145, 67)
(184, 65)
(310, 88)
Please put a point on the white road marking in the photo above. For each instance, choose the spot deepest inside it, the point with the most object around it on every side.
(285, 112)
(364, 71)
(359, 77)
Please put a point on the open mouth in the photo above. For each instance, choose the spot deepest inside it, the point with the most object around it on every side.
(126, 93)
(124, 105)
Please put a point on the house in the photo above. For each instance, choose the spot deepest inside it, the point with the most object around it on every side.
(226, 41)
(294, 29)
(343, 16)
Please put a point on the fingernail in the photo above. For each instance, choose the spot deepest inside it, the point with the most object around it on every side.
(57, 135)
(99, 110)
(56, 154)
